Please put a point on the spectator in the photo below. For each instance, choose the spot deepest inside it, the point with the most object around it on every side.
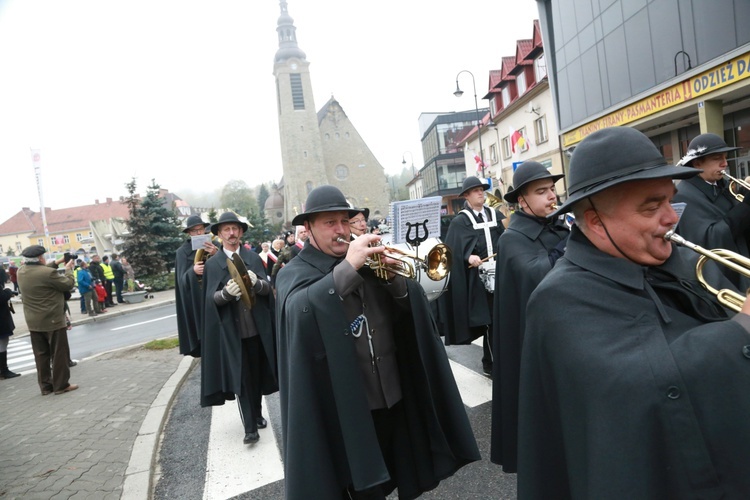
(101, 295)
(86, 289)
(13, 273)
(43, 304)
(129, 274)
(6, 330)
(119, 273)
(109, 279)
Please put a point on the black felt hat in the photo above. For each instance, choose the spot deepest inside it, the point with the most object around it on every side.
(527, 172)
(612, 156)
(363, 211)
(704, 145)
(33, 251)
(471, 182)
(227, 217)
(324, 199)
(194, 220)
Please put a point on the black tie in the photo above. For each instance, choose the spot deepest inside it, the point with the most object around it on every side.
(480, 219)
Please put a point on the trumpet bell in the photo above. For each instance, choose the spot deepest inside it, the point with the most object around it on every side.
(439, 261)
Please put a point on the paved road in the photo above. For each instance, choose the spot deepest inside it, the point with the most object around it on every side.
(202, 455)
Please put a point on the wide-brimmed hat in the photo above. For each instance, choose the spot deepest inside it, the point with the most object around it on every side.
(704, 145)
(194, 220)
(471, 182)
(228, 217)
(363, 211)
(527, 172)
(612, 156)
(324, 199)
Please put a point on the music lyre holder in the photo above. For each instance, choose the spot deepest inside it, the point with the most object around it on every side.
(417, 240)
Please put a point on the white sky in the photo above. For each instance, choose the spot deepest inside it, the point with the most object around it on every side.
(183, 91)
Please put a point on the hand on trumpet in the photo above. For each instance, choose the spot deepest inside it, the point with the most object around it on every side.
(360, 250)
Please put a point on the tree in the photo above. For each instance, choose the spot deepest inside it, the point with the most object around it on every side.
(238, 197)
(263, 196)
(154, 232)
(260, 231)
(10, 253)
(212, 216)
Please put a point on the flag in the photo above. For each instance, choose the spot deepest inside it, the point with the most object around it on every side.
(479, 162)
(516, 140)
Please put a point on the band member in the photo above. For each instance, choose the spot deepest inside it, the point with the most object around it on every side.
(526, 251)
(634, 386)
(188, 292)
(713, 218)
(368, 399)
(465, 310)
(238, 342)
(358, 222)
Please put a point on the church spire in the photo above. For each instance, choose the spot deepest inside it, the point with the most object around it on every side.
(287, 37)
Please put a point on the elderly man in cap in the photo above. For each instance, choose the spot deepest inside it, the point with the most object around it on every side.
(465, 310)
(300, 238)
(634, 380)
(368, 400)
(358, 222)
(188, 290)
(238, 346)
(713, 218)
(526, 252)
(44, 311)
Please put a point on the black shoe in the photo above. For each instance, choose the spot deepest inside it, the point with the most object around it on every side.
(261, 423)
(251, 437)
(9, 374)
(487, 371)
(72, 363)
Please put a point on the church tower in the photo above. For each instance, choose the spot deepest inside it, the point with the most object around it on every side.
(301, 143)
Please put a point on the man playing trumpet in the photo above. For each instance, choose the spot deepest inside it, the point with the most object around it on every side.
(368, 400)
(713, 218)
(635, 385)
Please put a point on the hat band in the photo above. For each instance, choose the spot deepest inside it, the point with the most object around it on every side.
(598, 182)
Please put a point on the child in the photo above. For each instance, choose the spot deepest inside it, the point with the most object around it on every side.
(101, 295)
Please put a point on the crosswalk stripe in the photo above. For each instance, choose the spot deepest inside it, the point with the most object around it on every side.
(232, 467)
(475, 389)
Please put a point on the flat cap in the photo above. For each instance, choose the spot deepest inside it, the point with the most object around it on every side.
(33, 251)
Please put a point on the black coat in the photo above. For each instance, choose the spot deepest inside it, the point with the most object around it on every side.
(329, 436)
(624, 392)
(221, 350)
(97, 273)
(464, 304)
(6, 317)
(523, 259)
(189, 299)
(715, 220)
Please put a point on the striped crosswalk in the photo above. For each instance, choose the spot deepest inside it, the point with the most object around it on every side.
(20, 355)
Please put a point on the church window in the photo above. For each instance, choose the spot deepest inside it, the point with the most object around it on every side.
(308, 186)
(278, 215)
(298, 97)
(342, 172)
(346, 135)
(301, 128)
(304, 154)
(328, 136)
(338, 136)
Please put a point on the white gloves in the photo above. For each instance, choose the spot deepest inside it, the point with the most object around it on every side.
(233, 288)
(253, 277)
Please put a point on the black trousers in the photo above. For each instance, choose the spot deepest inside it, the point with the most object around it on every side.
(387, 422)
(118, 289)
(250, 398)
(108, 287)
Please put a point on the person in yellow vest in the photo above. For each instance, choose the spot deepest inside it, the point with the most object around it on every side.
(109, 277)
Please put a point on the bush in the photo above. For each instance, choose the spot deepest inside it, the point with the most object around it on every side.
(157, 283)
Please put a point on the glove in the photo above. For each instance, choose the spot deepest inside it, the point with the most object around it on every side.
(233, 288)
(253, 277)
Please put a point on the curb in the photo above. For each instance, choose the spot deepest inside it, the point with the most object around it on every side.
(138, 482)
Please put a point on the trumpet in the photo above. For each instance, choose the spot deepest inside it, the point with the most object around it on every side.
(436, 265)
(734, 185)
(734, 261)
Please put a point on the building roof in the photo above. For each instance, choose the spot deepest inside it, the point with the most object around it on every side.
(63, 220)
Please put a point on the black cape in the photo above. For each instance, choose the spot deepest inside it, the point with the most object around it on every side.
(464, 303)
(622, 394)
(221, 365)
(329, 440)
(188, 301)
(714, 221)
(523, 259)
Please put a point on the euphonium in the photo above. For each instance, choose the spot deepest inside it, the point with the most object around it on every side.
(437, 263)
(733, 260)
(734, 182)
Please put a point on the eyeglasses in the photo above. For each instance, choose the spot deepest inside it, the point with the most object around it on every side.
(357, 221)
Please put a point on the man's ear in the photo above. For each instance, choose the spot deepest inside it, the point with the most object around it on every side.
(594, 223)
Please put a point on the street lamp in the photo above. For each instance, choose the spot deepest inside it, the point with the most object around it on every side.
(459, 93)
(403, 162)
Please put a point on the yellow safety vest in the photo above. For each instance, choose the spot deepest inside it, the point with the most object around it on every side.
(108, 274)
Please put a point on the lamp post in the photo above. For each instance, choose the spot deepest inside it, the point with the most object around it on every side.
(459, 93)
(403, 162)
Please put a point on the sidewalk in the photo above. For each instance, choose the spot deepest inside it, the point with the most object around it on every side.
(98, 441)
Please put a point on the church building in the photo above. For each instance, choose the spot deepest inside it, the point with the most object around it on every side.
(318, 148)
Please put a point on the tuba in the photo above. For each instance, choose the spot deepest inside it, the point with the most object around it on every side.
(493, 201)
